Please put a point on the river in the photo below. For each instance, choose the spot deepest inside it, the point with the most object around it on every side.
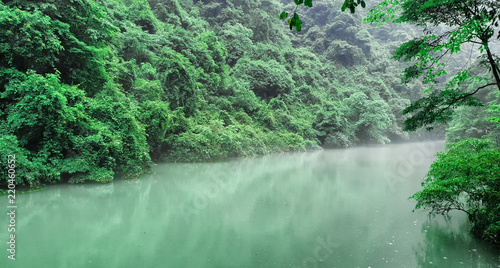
(333, 208)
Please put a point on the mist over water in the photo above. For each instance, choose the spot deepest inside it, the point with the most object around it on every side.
(332, 208)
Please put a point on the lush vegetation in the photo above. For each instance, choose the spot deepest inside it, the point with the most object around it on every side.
(466, 176)
(92, 89)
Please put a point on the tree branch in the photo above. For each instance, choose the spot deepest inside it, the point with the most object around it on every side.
(465, 96)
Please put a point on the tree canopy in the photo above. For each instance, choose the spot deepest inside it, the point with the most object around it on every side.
(467, 178)
(94, 88)
(464, 177)
(467, 22)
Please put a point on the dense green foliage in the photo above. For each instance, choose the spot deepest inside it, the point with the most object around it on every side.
(467, 22)
(92, 89)
(466, 177)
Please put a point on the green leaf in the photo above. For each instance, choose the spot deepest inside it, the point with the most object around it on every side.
(363, 4)
(283, 15)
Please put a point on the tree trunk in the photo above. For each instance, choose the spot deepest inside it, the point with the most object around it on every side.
(494, 67)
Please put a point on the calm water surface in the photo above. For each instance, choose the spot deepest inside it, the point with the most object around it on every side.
(334, 208)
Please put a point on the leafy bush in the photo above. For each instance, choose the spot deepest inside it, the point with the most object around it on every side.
(467, 178)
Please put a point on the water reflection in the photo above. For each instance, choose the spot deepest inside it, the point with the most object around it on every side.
(447, 244)
(334, 208)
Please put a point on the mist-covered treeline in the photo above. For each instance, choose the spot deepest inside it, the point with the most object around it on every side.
(94, 88)
(90, 89)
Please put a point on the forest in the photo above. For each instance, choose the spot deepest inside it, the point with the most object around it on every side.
(92, 90)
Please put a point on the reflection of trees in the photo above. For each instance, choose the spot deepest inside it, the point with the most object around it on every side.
(452, 246)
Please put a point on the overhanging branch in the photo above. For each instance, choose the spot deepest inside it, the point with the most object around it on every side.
(466, 96)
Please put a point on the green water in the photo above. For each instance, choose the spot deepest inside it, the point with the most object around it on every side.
(334, 208)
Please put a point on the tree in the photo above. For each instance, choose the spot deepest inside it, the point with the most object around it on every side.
(467, 178)
(268, 79)
(70, 37)
(467, 22)
(370, 118)
(236, 39)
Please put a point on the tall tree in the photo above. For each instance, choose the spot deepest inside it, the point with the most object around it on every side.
(466, 22)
